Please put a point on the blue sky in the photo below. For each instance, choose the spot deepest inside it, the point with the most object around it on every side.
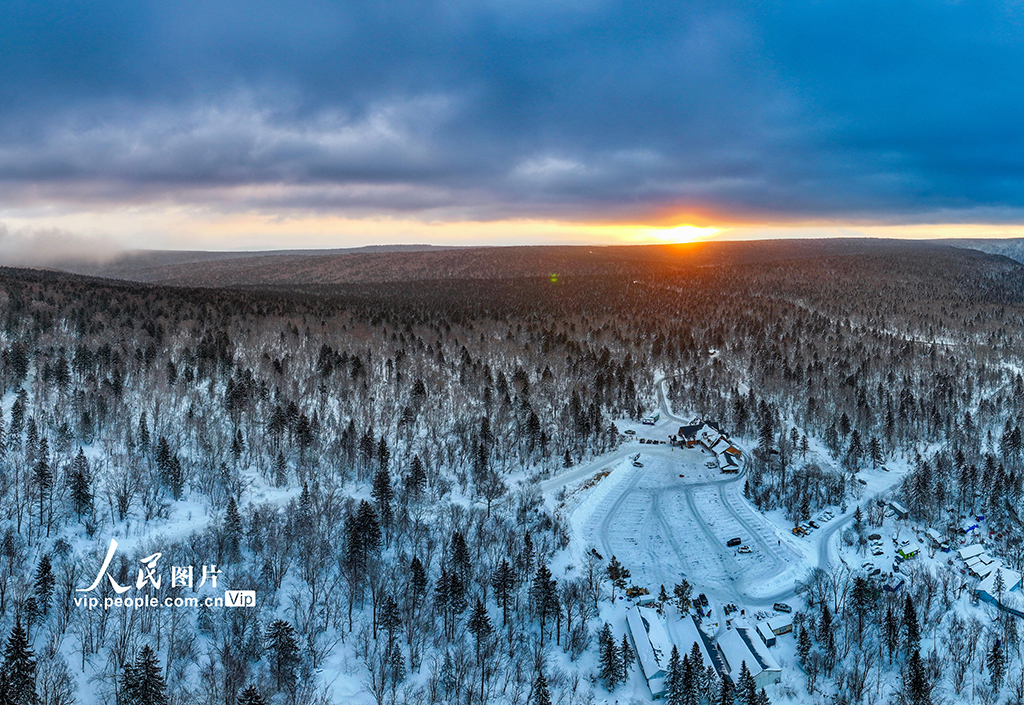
(219, 124)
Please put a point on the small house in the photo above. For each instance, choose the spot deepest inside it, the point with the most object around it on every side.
(766, 634)
(968, 552)
(783, 624)
(899, 510)
(738, 648)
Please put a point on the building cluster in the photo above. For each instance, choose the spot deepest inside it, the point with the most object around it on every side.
(653, 638)
(999, 584)
(708, 435)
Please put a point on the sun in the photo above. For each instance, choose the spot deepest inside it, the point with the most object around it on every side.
(675, 234)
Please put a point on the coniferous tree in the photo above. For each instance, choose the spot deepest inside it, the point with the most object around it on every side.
(682, 592)
(803, 644)
(916, 687)
(543, 596)
(383, 494)
(81, 484)
(674, 679)
(417, 481)
(503, 581)
(44, 583)
(726, 695)
(541, 695)
(911, 628)
(626, 652)
(611, 667)
(995, 660)
(18, 670)
(284, 654)
(747, 689)
(142, 682)
(250, 696)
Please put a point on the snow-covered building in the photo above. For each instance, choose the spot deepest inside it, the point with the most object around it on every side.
(739, 646)
(687, 634)
(652, 645)
(936, 538)
(710, 436)
(1011, 583)
(766, 634)
(899, 510)
(971, 551)
(783, 624)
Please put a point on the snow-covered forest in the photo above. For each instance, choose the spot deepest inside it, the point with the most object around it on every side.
(368, 461)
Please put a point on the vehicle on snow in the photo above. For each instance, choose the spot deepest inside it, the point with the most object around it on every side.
(734, 542)
(782, 607)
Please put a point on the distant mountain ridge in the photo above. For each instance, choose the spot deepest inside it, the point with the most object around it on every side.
(289, 268)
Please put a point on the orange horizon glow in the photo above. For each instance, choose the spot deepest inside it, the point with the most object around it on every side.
(187, 228)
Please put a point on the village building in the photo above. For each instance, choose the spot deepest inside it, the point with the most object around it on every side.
(899, 510)
(739, 646)
(687, 634)
(780, 625)
(652, 647)
(709, 436)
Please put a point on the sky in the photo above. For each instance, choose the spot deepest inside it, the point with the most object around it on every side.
(259, 125)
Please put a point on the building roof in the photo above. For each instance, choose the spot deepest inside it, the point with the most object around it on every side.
(898, 508)
(776, 624)
(765, 659)
(653, 647)
(686, 634)
(765, 631)
(1011, 581)
(971, 551)
(737, 647)
(983, 570)
(689, 432)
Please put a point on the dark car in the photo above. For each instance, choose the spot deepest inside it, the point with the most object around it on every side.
(734, 542)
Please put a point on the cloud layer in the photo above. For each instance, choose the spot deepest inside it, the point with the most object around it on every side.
(584, 110)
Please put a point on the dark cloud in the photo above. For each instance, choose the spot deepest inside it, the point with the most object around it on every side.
(898, 112)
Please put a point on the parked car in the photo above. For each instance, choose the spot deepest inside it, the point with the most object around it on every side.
(744, 549)
(813, 524)
(734, 542)
(629, 432)
(782, 607)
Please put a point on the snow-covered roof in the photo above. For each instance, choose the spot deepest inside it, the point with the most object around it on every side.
(898, 508)
(760, 649)
(934, 535)
(690, 431)
(653, 647)
(737, 647)
(687, 634)
(766, 632)
(781, 623)
(971, 551)
(1011, 581)
(983, 570)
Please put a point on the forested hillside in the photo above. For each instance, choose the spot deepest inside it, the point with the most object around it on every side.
(366, 457)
